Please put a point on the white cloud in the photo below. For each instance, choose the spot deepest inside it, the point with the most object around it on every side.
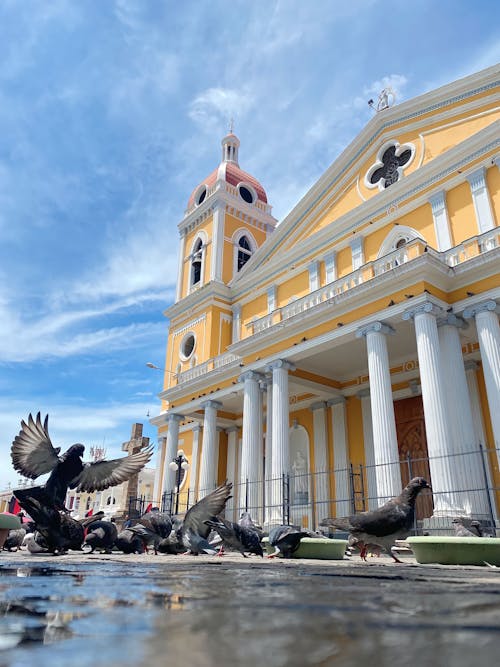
(216, 104)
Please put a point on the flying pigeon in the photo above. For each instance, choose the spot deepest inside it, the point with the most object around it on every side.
(14, 539)
(58, 529)
(237, 537)
(467, 528)
(33, 455)
(152, 528)
(129, 542)
(194, 529)
(392, 521)
(100, 535)
(286, 540)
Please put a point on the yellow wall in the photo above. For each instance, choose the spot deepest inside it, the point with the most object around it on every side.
(461, 213)
(493, 181)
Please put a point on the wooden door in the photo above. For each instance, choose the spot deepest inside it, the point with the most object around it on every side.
(412, 444)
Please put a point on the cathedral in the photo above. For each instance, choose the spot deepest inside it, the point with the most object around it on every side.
(320, 361)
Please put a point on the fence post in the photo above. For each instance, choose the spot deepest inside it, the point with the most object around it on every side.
(485, 476)
(246, 495)
(410, 476)
(353, 494)
(362, 483)
(286, 499)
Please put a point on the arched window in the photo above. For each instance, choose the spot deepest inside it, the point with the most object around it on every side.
(244, 252)
(196, 262)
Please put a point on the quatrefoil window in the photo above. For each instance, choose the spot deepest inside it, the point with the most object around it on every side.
(392, 158)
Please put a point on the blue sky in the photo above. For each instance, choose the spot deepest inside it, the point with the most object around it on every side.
(111, 112)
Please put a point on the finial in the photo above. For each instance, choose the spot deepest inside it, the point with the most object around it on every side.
(231, 125)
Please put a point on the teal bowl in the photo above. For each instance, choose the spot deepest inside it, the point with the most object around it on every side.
(447, 550)
(9, 522)
(316, 548)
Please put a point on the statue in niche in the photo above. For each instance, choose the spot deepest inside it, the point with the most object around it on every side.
(300, 480)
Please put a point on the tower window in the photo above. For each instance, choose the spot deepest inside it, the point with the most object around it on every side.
(244, 251)
(201, 195)
(246, 195)
(187, 346)
(196, 263)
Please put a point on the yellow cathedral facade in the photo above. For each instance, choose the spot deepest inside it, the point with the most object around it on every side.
(320, 361)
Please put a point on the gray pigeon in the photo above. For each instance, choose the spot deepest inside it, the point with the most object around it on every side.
(466, 527)
(35, 543)
(392, 521)
(152, 528)
(246, 521)
(237, 537)
(286, 540)
(100, 535)
(129, 542)
(33, 455)
(14, 539)
(195, 531)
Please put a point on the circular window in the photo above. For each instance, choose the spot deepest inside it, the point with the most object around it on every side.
(246, 195)
(187, 346)
(201, 194)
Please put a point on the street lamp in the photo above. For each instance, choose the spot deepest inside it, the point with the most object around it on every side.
(178, 464)
(150, 364)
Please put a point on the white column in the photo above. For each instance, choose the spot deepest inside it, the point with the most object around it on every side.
(208, 471)
(162, 444)
(268, 472)
(232, 442)
(340, 457)
(195, 454)
(173, 422)
(180, 267)
(236, 323)
(371, 476)
(441, 222)
(466, 463)
(280, 436)
(481, 200)
(251, 446)
(385, 442)
(488, 331)
(437, 423)
(322, 494)
(217, 242)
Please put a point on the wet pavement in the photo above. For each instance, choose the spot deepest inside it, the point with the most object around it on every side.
(83, 610)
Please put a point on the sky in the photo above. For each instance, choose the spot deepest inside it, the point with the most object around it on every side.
(112, 112)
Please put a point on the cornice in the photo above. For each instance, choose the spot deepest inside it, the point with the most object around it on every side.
(202, 297)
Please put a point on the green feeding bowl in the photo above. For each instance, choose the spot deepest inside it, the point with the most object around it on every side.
(9, 522)
(455, 550)
(315, 547)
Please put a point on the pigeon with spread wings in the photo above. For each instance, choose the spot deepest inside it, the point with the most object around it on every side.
(195, 530)
(33, 455)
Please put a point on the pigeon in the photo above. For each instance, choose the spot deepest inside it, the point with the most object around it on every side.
(129, 542)
(59, 530)
(100, 535)
(153, 527)
(392, 521)
(194, 531)
(34, 542)
(246, 521)
(14, 539)
(237, 537)
(466, 527)
(285, 540)
(33, 455)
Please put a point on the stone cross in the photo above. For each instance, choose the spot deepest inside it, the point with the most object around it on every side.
(136, 443)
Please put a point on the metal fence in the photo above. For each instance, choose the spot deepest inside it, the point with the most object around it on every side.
(462, 485)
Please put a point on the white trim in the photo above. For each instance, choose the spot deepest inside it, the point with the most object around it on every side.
(441, 221)
(235, 239)
(251, 190)
(396, 234)
(400, 148)
(200, 236)
(183, 356)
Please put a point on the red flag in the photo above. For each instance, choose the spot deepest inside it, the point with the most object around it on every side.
(149, 508)
(14, 506)
(90, 512)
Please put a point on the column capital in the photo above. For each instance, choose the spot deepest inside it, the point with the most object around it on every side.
(363, 393)
(196, 427)
(374, 327)
(232, 429)
(438, 202)
(477, 179)
(452, 320)
(424, 308)
(280, 363)
(250, 375)
(489, 305)
(211, 404)
(471, 365)
(319, 405)
(174, 417)
(336, 400)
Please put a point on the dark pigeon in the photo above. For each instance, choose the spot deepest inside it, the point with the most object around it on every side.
(59, 530)
(393, 521)
(236, 537)
(14, 539)
(100, 535)
(129, 542)
(286, 540)
(152, 528)
(194, 529)
(466, 527)
(246, 521)
(33, 455)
